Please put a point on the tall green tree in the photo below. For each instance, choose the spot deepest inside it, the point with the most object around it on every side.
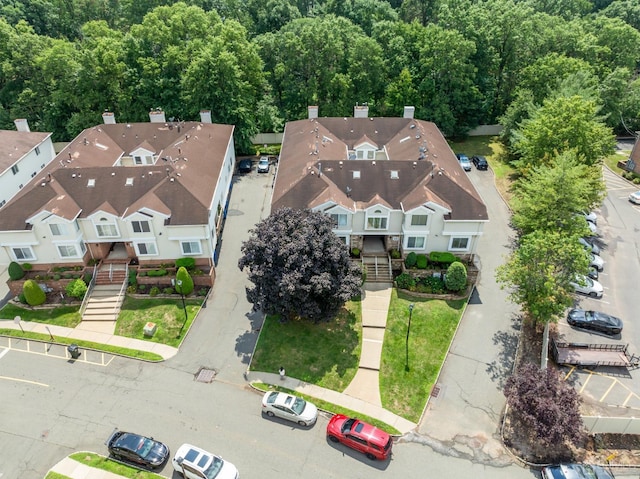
(538, 273)
(562, 124)
(549, 196)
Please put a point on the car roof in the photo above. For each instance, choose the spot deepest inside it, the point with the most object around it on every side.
(369, 432)
(128, 440)
(284, 399)
(195, 456)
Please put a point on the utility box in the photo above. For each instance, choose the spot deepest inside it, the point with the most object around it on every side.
(150, 329)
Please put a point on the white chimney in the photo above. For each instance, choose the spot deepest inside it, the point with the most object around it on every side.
(157, 116)
(360, 111)
(205, 116)
(409, 111)
(313, 112)
(108, 118)
(22, 125)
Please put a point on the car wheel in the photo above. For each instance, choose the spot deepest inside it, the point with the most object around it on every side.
(302, 423)
(270, 413)
(616, 331)
(371, 456)
(333, 439)
(593, 294)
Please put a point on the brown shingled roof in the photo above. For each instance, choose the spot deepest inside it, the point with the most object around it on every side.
(314, 167)
(180, 184)
(15, 144)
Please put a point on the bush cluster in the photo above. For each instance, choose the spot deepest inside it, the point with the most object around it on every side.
(15, 271)
(76, 289)
(154, 273)
(33, 293)
(421, 261)
(154, 291)
(444, 258)
(410, 260)
(188, 263)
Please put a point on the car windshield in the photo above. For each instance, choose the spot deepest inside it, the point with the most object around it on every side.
(346, 427)
(214, 469)
(298, 405)
(145, 447)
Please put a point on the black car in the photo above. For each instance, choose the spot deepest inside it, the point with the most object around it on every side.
(480, 162)
(595, 321)
(245, 166)
(137, 450)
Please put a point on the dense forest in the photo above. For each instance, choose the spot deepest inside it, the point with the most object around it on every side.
(259, 63)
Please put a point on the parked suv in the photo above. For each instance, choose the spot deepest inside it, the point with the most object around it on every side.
(358, 435)
(263, 165)
(480, 162)
(464, 161)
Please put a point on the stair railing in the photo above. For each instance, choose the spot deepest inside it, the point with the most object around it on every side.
(87, 293)
(120, 299)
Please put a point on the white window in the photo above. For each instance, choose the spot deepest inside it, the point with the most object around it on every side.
(146, 249)
(459, 244)
(23, 253)
(365, 154)
(140, 226)
(14, 169)
(58, 229)
(137, 160)
(191, 247)
(67, 251)
(418, 220)
(415, 242)
(339, 220)
(106, 229)
(377, 220)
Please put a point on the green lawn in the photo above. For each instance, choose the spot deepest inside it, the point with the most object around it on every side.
(167, 313)
(326, 354)
(100, 462)
(403, 390)
(61, 316)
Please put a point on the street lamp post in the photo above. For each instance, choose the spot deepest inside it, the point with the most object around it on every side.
(406, 364)
(184, 306)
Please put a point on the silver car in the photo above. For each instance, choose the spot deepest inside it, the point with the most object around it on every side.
(263, 165)
(195, 463)
(587, 286)
(291, 408)
(596, 261)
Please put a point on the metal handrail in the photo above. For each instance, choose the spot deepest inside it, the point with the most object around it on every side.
(118, 306)
(87, 293)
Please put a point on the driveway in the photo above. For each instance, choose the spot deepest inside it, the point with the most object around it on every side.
(465, 409)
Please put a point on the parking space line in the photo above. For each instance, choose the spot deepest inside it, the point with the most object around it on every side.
(59, 351)
(613, 383)
(5, 351)
(35, 383)
(585, 383)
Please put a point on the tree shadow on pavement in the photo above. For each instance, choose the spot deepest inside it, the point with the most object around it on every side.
(507, 342)
(246, 342)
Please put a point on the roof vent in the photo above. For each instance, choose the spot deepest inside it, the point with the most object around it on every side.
(129, 182)
(91, 183)
(394, 174)
(356, 174)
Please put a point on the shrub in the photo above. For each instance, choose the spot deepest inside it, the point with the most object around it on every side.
(142, 273)
(405, 281)
(433, 284)
(636, 181)
(443, 257)
(87, 277)
(93, 262)
(183, 276)
(456, 278)
(132, 289)
(168, 290)
(27, 266)
(203, 291)
(395, 254)
(154, 291)
(142, 287)
(22, 298)
(154, 273)
(410, 260)
(76, 288)
(188, 263)
(56, 277)
(33, 293)
(421, 261)
(355, 252)
(15, 271)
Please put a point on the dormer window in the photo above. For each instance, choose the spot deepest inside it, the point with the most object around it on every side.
(377, 220)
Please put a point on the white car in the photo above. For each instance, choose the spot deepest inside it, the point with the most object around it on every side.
(195, 463)
(263, 165)
(590, 247)
(289, 407)
(596, 261)
(591, 217)
(635, 198)
(593, 228)
(587, 286)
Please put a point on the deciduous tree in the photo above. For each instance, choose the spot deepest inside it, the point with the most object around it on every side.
(544, 406)
(298, 267)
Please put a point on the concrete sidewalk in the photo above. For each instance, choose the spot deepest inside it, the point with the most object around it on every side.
(162, 350)
(340, 399)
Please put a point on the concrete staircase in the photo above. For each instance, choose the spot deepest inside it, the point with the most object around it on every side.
(106, 299)
(378, 268)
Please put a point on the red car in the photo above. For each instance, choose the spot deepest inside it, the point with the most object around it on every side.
(358, 435)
